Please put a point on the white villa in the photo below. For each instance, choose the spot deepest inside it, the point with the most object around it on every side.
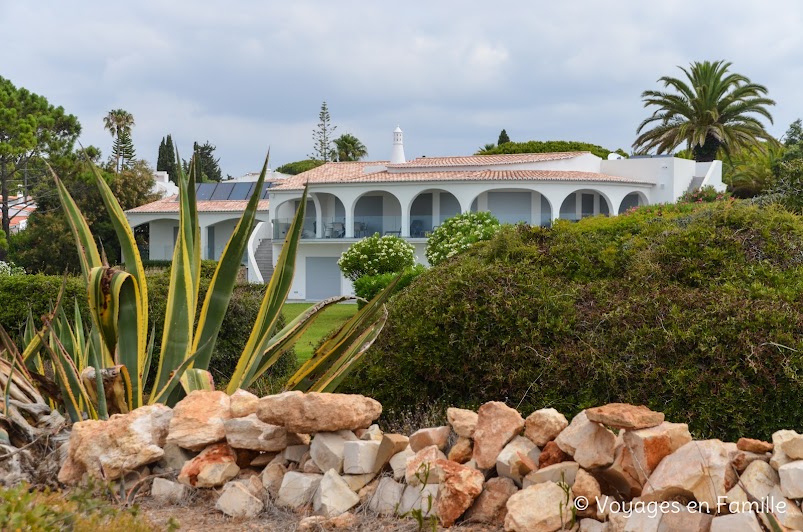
(350, 200)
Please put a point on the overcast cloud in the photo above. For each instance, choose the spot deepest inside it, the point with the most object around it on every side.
(246, 75)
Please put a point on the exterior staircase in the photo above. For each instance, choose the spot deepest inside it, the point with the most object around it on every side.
(264, 258)
(695, 183)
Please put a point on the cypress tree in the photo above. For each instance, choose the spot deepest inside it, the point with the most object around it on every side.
(502, 138)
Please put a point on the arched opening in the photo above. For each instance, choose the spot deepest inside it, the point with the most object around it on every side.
(216, 237)
(333, 216)
(156, 239)
(377, 212)
(631, 201)
(429, 209)
(515, 206)
(584, 203)
(285, 213)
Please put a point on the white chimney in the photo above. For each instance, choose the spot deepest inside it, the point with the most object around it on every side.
(397, 155)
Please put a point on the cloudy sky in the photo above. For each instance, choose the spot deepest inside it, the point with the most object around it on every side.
(246, 75)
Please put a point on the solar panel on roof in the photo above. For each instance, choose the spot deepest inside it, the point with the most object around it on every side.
(204, 191)
(222, 191)
(241, 191)
(265, 188)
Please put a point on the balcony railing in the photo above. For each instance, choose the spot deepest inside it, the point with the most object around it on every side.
(336, 227)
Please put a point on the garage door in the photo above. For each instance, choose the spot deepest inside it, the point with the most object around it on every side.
(323, 278)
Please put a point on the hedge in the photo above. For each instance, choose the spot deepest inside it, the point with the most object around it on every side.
(368, 286)
(693, 310)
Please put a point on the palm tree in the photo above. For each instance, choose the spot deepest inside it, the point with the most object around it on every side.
(711, 110)
(349, 148)
(118, 122)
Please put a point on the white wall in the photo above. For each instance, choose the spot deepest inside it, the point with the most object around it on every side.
(161, 239)
(671, 175)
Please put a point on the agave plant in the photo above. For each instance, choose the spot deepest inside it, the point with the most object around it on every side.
(117, 352)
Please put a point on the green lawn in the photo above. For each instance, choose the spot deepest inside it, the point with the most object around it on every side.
(332, 318)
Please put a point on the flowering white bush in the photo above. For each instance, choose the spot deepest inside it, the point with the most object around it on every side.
(459, 233)
(8, 268)
(375, 255)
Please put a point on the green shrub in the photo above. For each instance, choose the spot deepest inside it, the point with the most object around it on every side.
(706, 194)
(459, 233)
(693, 310)
(375, 255)
(368, 286)
(19, 293)
(9, 268)
(23, 508)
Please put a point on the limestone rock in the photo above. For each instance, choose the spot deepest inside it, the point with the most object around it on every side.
(551, 454)
(538, 508)
(490, 506)
(294, 453)
(518, 458)
(779, 456)
(318, 412)
(333, 496)
(250, 433)
(297, 489)
(625, 416)
(754, 446)
(459, 487)
(793, 447)
(398, 463)
(590, 444)
(699, 468)
(237, 501)
(314, 523)
(389, 446)
(168, 492)
(272, 477)
(121, 444)
(742, 522)
(175, 457)
(422, 468)
(592, 525)
(198, 420)
(387, 497)
(216, 465)
(438, 436)
(243, 403)
(585, 485)
(463, 421)
(357, 482)
(461, 451)
(359, 457)
(543, 426)
(791, 477)
(310, 467)
(562, 472)
(422, 497)
(650, 445)
(759, 478)
(372, 433)
(263, 459)
(787, 514)
(497, 424)
(742, 459)
(327, 449)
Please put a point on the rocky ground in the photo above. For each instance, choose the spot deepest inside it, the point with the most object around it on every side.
(298, 461)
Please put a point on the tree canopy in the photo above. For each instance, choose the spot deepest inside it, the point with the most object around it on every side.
(30, 127)
(208, 165)
(349, 148)
(711, 109)
(548, 146)
(298, 167)
(503, 138)
(166, 159)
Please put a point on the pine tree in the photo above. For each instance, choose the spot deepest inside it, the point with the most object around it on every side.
(502, 138)
(123, 148)
(208, 166)
(322, 137)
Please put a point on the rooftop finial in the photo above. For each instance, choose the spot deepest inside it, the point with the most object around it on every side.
(397, 155)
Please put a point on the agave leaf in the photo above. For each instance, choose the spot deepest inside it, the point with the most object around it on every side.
(76, 400)
(38, 340)
(330, 351)
(197, 379)
(272, 302)
(114, 300)
(350, 358)
(87, 249)
(222, 285)
(180, 309)
(146, 368)
(94, 360)
(161, 395)
(284, 340)
(130, 252)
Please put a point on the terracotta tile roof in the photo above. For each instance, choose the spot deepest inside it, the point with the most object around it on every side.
(485, 160)
(170, 205)
(329, 173)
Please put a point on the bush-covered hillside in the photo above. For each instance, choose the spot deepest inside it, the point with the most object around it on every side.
(696, 311)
